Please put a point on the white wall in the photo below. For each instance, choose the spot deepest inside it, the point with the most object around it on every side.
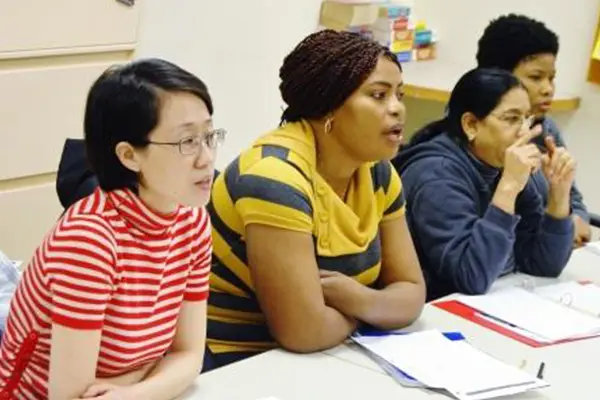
(576, 27)
(237, 47)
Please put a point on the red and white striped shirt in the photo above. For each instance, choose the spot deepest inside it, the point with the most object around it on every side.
(110, 264)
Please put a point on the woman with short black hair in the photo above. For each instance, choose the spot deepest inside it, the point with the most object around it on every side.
(113, 302)
(473, 209)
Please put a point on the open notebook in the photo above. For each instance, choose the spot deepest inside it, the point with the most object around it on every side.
(431, 360)
(543, 314)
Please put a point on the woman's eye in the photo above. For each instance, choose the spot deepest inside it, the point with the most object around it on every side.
(379, 95)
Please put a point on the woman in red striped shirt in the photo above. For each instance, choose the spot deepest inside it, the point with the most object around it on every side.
(113, 303)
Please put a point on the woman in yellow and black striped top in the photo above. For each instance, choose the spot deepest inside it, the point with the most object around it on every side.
(309, 233)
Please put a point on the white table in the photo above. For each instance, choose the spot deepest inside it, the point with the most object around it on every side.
(572, 369)
(288, 376)
(345, 373)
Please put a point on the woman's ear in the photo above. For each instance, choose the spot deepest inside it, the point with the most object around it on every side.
(469, 124)
(128, 157)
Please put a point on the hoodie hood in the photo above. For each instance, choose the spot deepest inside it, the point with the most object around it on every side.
(439, 147)
(442, 157)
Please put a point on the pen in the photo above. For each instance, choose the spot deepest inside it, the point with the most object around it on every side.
(495, 319)
(454, 336)
(540, 374)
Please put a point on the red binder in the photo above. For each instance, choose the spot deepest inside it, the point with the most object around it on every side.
(457, 308)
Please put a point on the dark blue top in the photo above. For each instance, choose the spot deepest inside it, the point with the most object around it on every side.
(463, 241)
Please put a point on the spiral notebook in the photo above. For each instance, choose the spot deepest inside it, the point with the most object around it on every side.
(539, 317)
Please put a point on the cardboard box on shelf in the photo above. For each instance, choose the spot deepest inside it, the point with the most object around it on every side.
(425, 53)
(342, 16)
(399, 46)
(404, 56)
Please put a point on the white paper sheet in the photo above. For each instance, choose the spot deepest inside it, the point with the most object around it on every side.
(534, 313)
(455, 366)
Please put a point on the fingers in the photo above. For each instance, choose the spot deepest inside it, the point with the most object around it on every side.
(566, 166)
(533, 156)
(528, 136)
(545, 160)
(531, 150)
(585, 238)
(560, 165)
(550, 144)
(585, 233)
(528, 155)
(528, 151)
(557, 158)
(535, 163)
(580, 240)
(97, 390)
(327, 274)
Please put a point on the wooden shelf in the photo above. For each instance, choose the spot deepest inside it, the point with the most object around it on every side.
(560, 104)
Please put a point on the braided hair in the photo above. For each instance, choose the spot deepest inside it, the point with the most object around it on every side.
(324, 69)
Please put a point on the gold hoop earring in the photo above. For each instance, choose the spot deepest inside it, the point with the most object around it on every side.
(328, 125)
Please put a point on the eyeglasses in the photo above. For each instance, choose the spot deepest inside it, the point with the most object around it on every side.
(516, 121)
(191, 144)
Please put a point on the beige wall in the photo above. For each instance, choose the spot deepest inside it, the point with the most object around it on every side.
(241, 69)
(576, 27)
(50, 52)
(237, 48)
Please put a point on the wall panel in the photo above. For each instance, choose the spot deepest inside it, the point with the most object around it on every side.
(50, 53)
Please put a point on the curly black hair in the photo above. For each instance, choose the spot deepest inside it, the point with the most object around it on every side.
(324, 70)
(512, 38)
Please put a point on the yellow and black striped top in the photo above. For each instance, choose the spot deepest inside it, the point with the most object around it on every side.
(275, 183)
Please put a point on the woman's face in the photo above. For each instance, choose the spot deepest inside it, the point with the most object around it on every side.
(537, 75)
(369, 125)
(491, 136)
(177, 167)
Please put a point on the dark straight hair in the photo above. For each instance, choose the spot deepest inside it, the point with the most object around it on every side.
(123, 105)
(479, 91)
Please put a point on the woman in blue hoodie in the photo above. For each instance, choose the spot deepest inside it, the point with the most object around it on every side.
(528, 49)
(472, 206)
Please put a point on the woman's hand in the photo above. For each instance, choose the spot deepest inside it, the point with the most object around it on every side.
(107, 391)
(342, 292)
(583, 231)
(520, 160)
(559, 168)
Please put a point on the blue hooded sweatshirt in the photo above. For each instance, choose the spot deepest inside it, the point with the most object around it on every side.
(463, 241)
